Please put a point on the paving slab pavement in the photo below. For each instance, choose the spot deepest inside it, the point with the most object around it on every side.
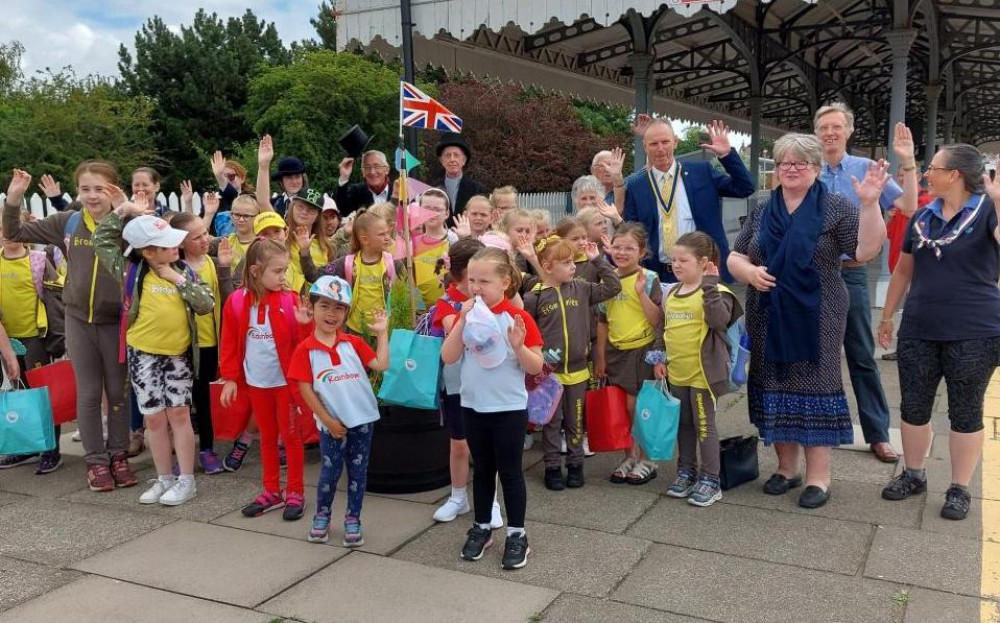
(944, 562)
(213, 562)
(388, 524)
(22, 581)
(927, 606)
(611, 509)
(95, 598)
(363, 588)
(70, 477)
(728, 588)
(792, 539)
(562, 558)
(59, 533)
(570, 608)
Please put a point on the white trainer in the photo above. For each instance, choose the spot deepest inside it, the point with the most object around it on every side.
(586, 447)
(153, 494)
(451, 509)
(496, 521)
(181, 492)
(528, 441)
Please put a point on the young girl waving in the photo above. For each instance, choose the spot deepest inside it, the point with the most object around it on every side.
(162, 296)
(369, 269)
(214, 273)
(262, 324)
(330, 368)
(630, 325)
(497, 355)
(431, 245)
(561, 305)
(460, 254)
(308, 237)
(697, 312)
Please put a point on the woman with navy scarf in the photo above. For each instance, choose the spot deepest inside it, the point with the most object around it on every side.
(789, 253)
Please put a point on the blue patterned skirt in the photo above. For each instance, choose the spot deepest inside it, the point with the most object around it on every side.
(807, 419)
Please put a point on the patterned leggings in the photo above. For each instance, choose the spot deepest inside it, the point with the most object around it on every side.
(353, 450)
(966, 366)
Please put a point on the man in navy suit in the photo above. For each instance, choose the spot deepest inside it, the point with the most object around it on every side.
(671, 199)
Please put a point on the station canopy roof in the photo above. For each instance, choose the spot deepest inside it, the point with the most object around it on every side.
(710, 58)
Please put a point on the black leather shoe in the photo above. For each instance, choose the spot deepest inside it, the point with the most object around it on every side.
(574, 476)
(554, 480)
(813, 497)
(779, 485)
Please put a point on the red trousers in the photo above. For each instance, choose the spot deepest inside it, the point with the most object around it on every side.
(273, 409)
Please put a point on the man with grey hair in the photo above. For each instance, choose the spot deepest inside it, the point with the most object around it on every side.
(834, 125)
(671, 199)
(375, 187)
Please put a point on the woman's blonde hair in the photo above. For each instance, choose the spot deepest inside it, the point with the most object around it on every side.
(260, 253)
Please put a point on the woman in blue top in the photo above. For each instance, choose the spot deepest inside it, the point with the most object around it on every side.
(951, 321)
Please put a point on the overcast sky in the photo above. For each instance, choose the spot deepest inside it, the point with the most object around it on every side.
(86, 34)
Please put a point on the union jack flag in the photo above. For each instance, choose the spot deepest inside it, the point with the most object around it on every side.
(419, 110)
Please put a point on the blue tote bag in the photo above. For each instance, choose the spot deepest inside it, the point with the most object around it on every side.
(26, 421)
(414, 373)
(657, 416)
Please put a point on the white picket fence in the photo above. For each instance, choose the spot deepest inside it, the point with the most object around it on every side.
(558, 204)
(41, 207)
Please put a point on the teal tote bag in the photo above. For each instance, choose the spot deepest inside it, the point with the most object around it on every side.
(414, 373)
(657, 416)
(26, 421)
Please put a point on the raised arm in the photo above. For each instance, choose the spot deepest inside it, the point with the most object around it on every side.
(902, 145)
(871, 225)
(265, 153)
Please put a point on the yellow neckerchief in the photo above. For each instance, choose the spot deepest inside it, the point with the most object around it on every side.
(88, 221)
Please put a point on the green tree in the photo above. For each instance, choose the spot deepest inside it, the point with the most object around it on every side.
(693, 137)
(198, 79)
(307, 105)
(325, 24)
(10, 65)
(52, 123)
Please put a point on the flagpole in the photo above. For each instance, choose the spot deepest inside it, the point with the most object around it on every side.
(404, 204)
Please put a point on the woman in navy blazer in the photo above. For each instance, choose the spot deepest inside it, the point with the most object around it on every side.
(702, 184)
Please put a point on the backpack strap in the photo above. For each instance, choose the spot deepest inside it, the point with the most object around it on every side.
(37, 260)
(390, 265)
(349, 269)
(72, 224)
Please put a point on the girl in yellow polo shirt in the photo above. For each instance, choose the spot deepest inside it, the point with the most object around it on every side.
(215, 273)
(431, 246)
(306, 236)
(162, 295)
(629, 326)
(697, 313)
(243, 212)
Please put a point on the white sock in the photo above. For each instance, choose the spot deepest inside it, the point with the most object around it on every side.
(187, 478)
(515, 531)
(459, 493)
(496, 502)
(485, 526)
(167, 479)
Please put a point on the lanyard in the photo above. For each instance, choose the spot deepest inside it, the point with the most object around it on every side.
(936, 243)
(665, 206)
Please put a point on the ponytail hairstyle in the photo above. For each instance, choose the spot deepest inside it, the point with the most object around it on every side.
(363, 223)
(459, 256)
(701, 246)
(554, 249)
(259, 254)
(504, 266)
(181, 220)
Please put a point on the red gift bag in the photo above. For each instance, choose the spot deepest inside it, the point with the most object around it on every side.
(229, 422)
(609, 424)
(61, 381)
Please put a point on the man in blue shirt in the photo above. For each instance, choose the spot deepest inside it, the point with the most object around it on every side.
(834, 125)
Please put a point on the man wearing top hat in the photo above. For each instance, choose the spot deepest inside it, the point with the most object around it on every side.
(453, 153)
(377, 179)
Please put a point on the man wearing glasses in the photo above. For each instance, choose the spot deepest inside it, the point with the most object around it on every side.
(834, 125)
(376, 186)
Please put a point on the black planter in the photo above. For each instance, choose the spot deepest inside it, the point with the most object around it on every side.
(410, 452)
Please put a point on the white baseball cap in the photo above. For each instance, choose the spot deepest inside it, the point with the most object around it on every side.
(483, 337)
(150, 231)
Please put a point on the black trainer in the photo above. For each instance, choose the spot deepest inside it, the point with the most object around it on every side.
(554, 480)
(956, 503)
(574, 476)
(479, 539)
(903, 486)
(515, 551)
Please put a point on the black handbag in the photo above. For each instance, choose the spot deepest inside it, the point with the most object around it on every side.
(738, 459)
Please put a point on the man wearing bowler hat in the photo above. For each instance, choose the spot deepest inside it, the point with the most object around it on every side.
(453, 153)
(377, 180)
